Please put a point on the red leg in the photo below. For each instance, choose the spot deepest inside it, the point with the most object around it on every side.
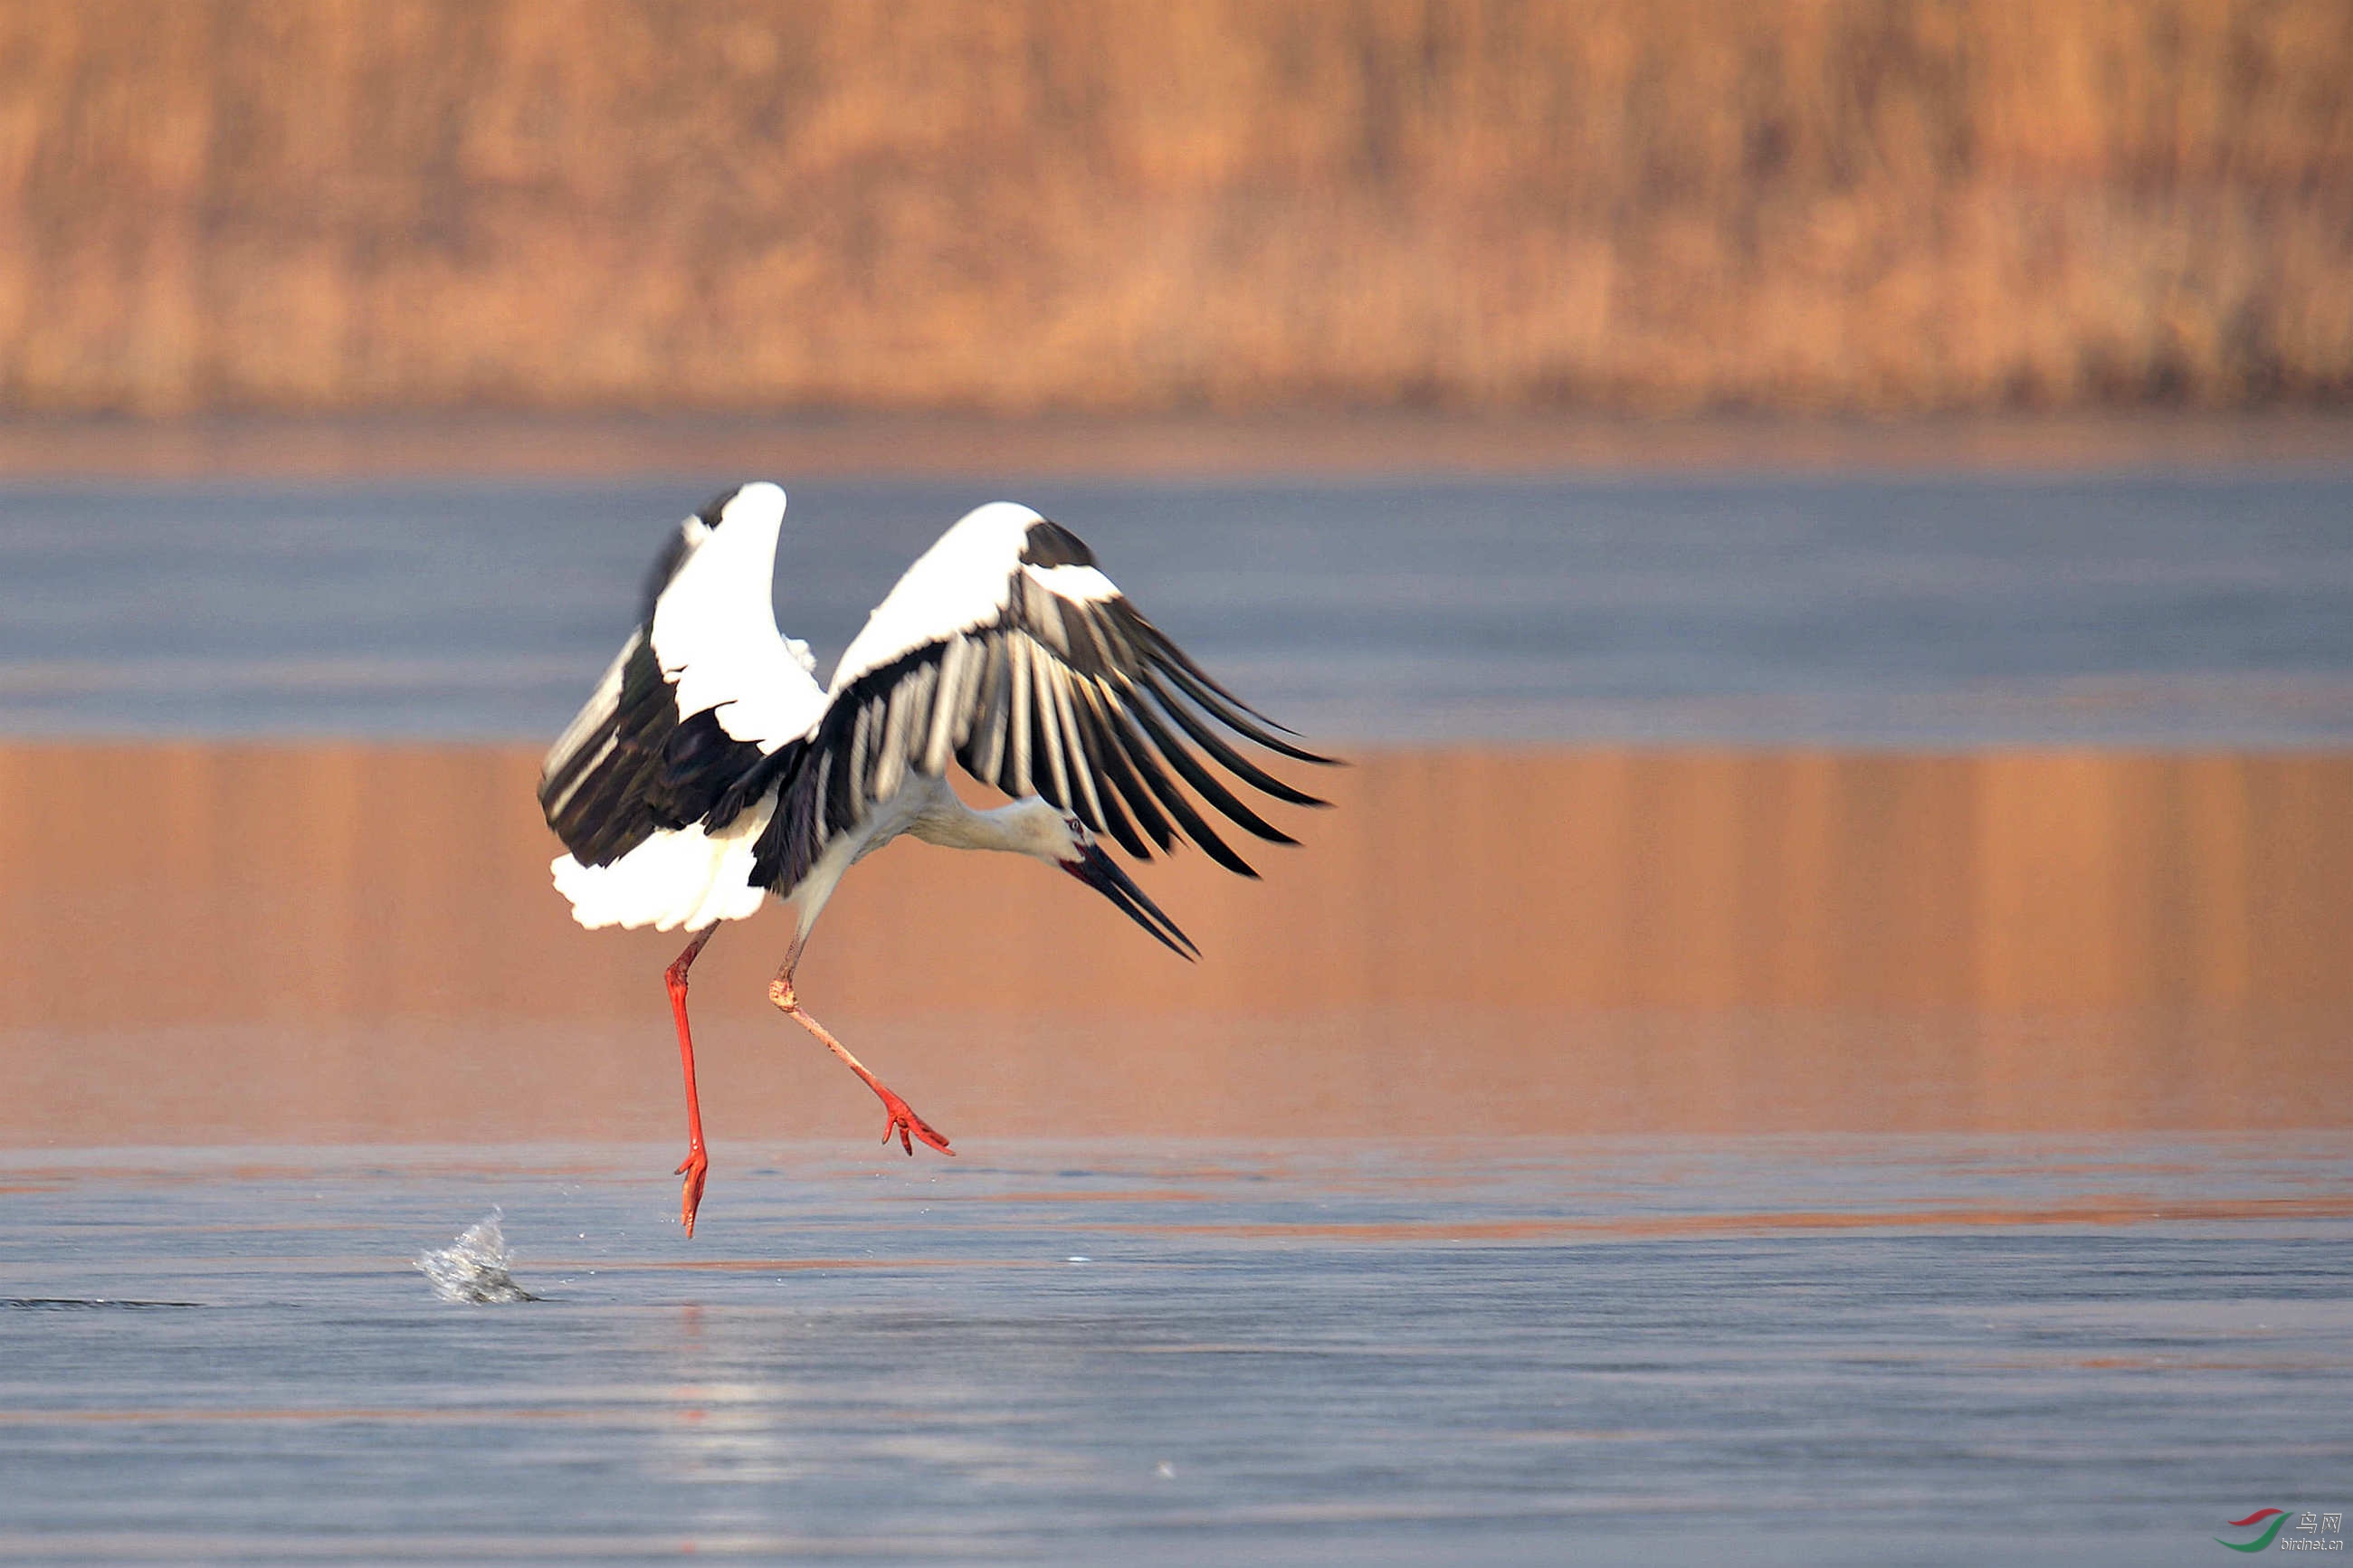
(903, 1121)
(696, 1164)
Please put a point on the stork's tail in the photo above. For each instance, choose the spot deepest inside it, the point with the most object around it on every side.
(678, 878)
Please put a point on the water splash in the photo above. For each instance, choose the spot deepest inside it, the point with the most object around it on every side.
(476, 1267)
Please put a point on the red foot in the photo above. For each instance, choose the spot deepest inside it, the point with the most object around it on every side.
(904, 1122)
(694, 1167)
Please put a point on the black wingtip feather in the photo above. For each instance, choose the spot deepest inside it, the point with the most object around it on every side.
(1110, 818)
(1180, 658)
(1205, 782)
(1147, 759)
(1103, 741)
(1224, 714)
(1219, 752)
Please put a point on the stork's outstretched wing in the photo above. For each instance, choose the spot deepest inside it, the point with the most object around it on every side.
(703, 692)
(1005, 648)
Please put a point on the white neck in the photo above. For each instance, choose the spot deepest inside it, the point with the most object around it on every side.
(1030, 826)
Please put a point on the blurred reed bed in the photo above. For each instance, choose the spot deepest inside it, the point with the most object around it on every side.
(232, 941)
(1647, 204)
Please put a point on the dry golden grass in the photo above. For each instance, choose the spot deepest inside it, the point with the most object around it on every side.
(1228, 204)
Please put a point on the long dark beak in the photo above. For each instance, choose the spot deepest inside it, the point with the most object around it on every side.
(1101, 872)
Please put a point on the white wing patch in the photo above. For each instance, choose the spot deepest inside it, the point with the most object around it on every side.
(1083, 584)
(684, 878)
(958, 584)
(714, 629)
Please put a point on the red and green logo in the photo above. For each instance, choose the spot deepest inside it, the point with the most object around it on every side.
(2278, 1516)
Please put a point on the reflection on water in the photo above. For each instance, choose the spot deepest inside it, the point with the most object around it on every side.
(1762, 1351)
(235, 942)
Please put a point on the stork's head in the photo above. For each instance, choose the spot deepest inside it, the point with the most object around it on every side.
(1073, 847)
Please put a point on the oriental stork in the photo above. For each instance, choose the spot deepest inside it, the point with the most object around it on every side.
(708, 770)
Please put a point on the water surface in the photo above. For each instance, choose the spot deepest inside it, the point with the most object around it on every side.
(2211, 609)
(1926, 1350)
